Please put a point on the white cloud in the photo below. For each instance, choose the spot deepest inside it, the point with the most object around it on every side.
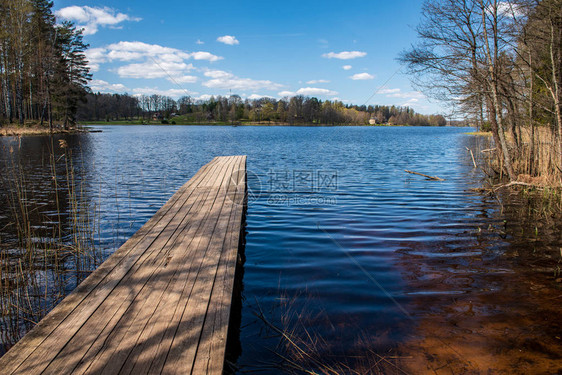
(315, 81)
(258, 96)
(286, 93)
(347, 67)
(199, 42)
(410, 102)
(95, 57)
(508, 9)
(388, 91)
(225, 80)
(397, 93)
(174, 93)
(98, 85)
(150, 60)
(308, 91)
(345, 55)
(217, 74)
(91, 18)
(228, 39)
(204, 97)
(127, 51)
(151, 69)
(205, 56)
(413, 97)
(362, 76)
(315, 91)
(183, 79)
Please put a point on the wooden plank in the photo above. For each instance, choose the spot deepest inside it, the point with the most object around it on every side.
(141, 359)
(123, 340)
(183, 351)
(212, 345)
(180, 323)
(14, 357)
(90, 340)
(164, 292)
(144, 253)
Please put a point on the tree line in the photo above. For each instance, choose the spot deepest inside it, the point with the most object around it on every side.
(297, 110)
(501, 61)
(43, 69)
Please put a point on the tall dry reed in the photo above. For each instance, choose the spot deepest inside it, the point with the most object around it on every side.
(53, 246)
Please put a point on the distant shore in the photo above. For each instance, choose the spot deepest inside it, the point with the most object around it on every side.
(222, 123)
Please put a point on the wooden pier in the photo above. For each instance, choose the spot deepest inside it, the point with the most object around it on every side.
(161, 302)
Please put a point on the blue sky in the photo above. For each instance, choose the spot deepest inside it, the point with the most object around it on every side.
(329, 49)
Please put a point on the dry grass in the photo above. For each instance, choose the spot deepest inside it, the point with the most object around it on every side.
(16, 131)
(535, 159)
(301, 350)
(51, 253)
(539, 164)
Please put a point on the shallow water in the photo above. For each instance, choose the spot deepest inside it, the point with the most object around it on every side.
(343, 245)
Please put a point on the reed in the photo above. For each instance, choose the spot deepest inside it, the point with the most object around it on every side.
(535, 156)
(54, 247)
(302, 350)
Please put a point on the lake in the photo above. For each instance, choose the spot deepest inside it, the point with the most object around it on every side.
(361, 264)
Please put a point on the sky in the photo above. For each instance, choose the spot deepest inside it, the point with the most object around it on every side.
(337, 50)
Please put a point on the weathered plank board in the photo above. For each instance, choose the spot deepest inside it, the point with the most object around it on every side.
(161, 302)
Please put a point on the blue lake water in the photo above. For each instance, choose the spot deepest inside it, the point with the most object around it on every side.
(341, 243)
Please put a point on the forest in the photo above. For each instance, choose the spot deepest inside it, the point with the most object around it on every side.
(44, 79)
(500, 64)
(297, 110)
(43, 69)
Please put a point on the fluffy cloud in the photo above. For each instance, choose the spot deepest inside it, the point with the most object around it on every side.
(345, 55)
(228, 39)
(397, 93)
(218, 74)
(129, 50)
(174, 93)
(152, 69)
(203, 97)
(149, 60)
(412, 97)
(183, 79)
(387, 91)
(91, 18)
(507, 9)
(98, 85)
(205, 56)
(308, 91)
(224, 80)
(346, 67)
(315, 81)
(95, 57)
(362, 76)
(315, 91)
(258, 96)
(286, 93)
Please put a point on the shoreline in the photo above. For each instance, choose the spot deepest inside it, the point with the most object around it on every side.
(19, 131)
(265, 124)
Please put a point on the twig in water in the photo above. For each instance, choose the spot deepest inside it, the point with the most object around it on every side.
(472, 155)
(434, 178)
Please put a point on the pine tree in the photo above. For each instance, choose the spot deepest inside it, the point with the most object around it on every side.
(71, 74)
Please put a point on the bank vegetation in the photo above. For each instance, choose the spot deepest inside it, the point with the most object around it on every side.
(501, 63)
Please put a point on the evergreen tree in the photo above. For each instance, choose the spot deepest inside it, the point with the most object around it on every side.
(71, 74)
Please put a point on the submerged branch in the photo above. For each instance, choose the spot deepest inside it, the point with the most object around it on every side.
(434, 178)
